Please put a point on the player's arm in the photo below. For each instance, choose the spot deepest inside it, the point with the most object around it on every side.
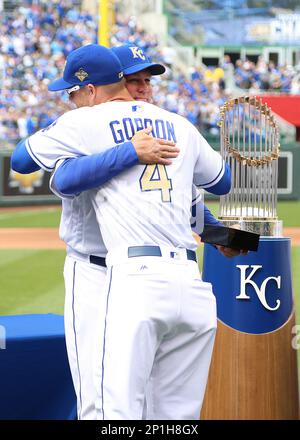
(200, 216)
(221, 182)
(210, 219)
(210, 172)
(80, 173)
(223, 185)
(76, 175)
(111, 162)
(204, 215)
(21, 161)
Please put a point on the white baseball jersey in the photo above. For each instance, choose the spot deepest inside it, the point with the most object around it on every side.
(78, 226)
(147, 204)
(143, 205)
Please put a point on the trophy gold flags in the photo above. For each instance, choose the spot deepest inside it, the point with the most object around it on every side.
(253, 374)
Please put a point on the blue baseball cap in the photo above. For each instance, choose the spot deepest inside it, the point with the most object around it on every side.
(91, 64)
(133, 60)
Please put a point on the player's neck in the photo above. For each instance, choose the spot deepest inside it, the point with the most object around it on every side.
(121, 96)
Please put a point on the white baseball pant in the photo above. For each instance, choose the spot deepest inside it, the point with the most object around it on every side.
(84, 284)
(157, 333)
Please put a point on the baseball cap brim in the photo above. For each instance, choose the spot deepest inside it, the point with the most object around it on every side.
(155, 69)
(59, 84)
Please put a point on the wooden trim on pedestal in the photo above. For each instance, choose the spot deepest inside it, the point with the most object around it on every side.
(253, 377)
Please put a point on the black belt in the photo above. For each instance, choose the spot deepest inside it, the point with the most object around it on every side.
(155, 251)
(100, 261)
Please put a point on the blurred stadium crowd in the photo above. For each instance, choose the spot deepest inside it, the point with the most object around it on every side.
(36, 38)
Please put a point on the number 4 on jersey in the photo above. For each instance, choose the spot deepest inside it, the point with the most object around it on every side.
(155, 177)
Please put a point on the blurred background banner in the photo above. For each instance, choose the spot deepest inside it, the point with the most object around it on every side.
(238, 22)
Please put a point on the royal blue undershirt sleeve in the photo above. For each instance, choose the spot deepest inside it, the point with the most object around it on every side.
(209, 219)
(224, 184)
(21, 161)
(79, 174)
(82, 173)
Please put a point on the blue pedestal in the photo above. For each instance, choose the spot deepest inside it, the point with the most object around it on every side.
(254, 292)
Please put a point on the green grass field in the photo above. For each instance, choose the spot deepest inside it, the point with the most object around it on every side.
(31, 281)
(49, 217)
(288, 211)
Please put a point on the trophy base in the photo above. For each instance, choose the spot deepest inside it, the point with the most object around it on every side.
(265, 228)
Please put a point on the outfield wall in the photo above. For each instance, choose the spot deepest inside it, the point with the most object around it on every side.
(23, 189)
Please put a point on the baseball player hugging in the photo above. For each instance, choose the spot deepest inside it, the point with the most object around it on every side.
(157, 318)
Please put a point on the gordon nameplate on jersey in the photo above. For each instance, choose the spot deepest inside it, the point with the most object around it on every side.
(230, 237)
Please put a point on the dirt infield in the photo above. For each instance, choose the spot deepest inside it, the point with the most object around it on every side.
(29, 208)
(30, 238)
(47, 238)
(294, 234)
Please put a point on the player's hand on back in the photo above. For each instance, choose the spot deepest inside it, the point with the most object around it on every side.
(152, 150)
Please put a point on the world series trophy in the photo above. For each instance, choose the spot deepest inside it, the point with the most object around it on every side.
(253, 373)
(250, 145)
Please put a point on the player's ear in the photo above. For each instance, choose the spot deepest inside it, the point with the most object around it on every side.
(91, 94)
(91, 89)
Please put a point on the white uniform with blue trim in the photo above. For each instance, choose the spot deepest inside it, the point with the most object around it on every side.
(84, 282)
(158, 317)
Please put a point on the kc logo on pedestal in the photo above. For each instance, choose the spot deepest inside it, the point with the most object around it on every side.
(259, 290)
(253, 291)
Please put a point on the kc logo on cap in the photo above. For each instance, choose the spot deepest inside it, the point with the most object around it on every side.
(137, 52)
(133, 59)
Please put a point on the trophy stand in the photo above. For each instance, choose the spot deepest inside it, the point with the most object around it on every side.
(253, 374)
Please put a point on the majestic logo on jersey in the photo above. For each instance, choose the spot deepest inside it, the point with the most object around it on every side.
(137, 52)
(81, 74)
(253, 292)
